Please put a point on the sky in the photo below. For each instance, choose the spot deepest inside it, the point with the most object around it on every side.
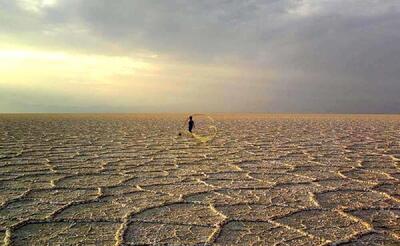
(293, 56)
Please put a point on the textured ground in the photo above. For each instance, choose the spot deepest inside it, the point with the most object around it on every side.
(264, 180)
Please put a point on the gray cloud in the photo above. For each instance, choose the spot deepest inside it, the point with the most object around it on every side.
(329, 56)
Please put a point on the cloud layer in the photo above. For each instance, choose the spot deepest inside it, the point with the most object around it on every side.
(266, 56)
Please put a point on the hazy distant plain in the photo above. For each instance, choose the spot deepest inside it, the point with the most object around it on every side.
(264, 180)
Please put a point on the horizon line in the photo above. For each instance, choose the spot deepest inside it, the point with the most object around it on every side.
(238, 112)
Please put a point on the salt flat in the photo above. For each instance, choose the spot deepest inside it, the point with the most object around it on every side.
(264, 180)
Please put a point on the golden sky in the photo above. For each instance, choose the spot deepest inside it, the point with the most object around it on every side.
(93, 79)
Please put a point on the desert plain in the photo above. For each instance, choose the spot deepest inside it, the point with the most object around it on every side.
(265, 179)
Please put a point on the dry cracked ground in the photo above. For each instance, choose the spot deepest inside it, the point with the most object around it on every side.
(264, 180)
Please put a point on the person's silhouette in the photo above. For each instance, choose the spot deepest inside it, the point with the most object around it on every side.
(191, 123)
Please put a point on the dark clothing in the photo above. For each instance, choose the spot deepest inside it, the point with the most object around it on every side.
(191, 125)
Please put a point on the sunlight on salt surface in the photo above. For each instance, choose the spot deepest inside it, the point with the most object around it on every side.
(129, 179)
